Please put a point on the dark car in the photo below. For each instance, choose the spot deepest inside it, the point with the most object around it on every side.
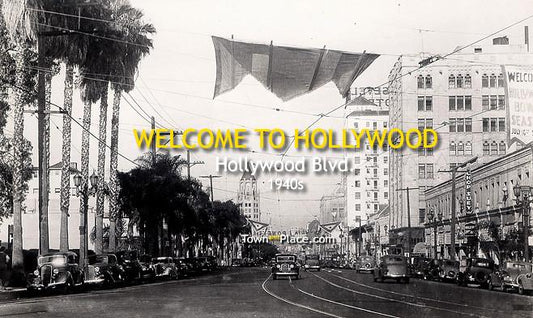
(56, 271)
(512, 276)
(448, 270)
(286, 265)
(147, 268)
(419, 266)
(312, 262)
(365, 264)
(236, 262)
(475, 271)
(183, 268)
(207, 263)
(165, 267)
(129, 260)
(104, 270)
(433, 269)
(392, 267)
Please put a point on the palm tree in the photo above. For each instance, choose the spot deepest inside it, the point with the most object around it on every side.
(136, 45)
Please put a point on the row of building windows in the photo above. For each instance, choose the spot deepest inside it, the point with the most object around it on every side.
(368, 206)
(369, 195)
(493, 124)
(460, 148)
(460, 124)
(491, 80)
(424, 82)
(492, 102)
(425, 103)
(425, 171)
(459, 81)
(460, 103)
(375, 183)
(494, 148)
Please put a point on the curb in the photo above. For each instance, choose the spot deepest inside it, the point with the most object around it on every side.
(12, 294)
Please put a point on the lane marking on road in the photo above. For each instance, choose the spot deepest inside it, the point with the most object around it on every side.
(415, 297)
(339, 303)
(295, 304)
(397, 300)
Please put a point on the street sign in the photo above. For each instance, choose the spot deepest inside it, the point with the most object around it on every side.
(468, 192)
(470, 229)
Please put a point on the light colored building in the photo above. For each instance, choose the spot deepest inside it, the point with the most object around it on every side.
(30, 216)
(367, 187)
(463, 98)
(333, 206)
(248, 197)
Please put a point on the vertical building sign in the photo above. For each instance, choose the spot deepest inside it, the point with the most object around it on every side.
(468, 192)
(519, 94)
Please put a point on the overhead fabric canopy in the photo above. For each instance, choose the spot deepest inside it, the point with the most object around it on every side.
(286, 71)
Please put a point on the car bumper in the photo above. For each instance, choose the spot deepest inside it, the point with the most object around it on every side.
(396, 276)
(49, 286)
(285, 273)
(95, 281)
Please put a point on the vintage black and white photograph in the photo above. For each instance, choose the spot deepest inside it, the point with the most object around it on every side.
(282, 158)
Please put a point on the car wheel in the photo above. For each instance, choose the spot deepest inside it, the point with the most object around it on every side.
(520, 288)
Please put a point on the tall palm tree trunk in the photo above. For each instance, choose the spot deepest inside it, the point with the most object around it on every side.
(85, 141)
(18, 183)
(113, 179)
(100, 195)
(44, 229)
(65, 167)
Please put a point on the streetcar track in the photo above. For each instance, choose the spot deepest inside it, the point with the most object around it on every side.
(294, 303)
(339, 303)
(397, 300)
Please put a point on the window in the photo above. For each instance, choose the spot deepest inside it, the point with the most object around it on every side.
(385, 183)
(460, 103)
(453, 126)
(421, 171)
(484, 81)
(420, 81)
(494, 148)
(468, 124)
(451, 102)
(429, 103)
(493, 125)
(468, 102)
(429, 171)
(358, 195)
(356, 125)
(468, 81)
(57, 190)
(385, 171)
(485, 102)
(429, 81)
(460, 125)
(486, 149)
(493, 102)
(357, 183)
(453, 148)
(500, 80)
(501, 124)
(375, 195)
(385, 159)
(468, 148)
(420, 103)
(460, 148)
(451, 81)
(357, 172)
(503, 148)
(384, 124)
(492, 80)
(501, 101)
(485, 124)
(385, 195)
(375, 125)
(358, 207)
(459, 82)
(429, 122)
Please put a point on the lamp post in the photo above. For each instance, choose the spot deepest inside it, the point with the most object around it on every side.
(525, 198)
(83, 191)
(437, 218)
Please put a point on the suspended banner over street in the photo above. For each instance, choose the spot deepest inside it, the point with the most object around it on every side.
(519, 92)
(257, 226)
(286, 71)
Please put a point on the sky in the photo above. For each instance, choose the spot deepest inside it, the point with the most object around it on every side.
(175, 82)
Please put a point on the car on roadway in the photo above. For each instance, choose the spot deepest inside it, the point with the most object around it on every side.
(129, 260)
(165, 267)
(419, 266)
(286, 265)
(448, 270)
(392, 267)
(104, 270)
(512, 276)
(183, 268)
(475, 271)
(365, 263)
(312, 262)
(56, 271)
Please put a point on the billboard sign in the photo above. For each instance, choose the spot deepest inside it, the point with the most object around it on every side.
(468, 192)
(519, 94)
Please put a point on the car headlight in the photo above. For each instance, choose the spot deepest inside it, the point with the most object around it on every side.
(97, 270)
(291, 266)
(278, 266)
(36, 272)
(55, 271)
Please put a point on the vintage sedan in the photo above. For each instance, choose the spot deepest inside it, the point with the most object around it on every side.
(165, 267)
(147, 268)
(286, 265)
(448, 270)
(104, 270)
(56, 271)
(475, 271)
(312, 262)
(512, 276)
(392, 267)
(129, 260)
(365, 264)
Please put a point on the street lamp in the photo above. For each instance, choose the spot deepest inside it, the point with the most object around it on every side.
(437, 218)
(525, 201)
(83, 191)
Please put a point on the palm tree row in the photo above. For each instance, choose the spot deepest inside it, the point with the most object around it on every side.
(103, 52)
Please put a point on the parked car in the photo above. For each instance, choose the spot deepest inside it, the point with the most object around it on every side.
(419, 266)
(312, 262)
(165, 267)
(129, 260)
(182, 267)
(56, 271)
(104, 269)
(448, 270)
(365, 264)
(147, 268)
(194, 265)
(236, 262)
(207, 263)
(514, 276)
(475, 271)
(286, 265)
(392, 267)
(433, 269)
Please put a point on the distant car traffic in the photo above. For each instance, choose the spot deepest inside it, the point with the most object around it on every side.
(312, 262)
(286, 265)
(365, 264)
(56, 271)
(392, 267)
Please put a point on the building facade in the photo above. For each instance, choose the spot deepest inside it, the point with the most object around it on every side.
(248, 197)
(463, 98)
(489, 190)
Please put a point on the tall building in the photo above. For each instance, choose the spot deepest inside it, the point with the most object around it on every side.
(462, 97)
(367, 187)
(333, 206)
(248, 197)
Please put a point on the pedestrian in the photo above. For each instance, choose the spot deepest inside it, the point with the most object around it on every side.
(4, 261)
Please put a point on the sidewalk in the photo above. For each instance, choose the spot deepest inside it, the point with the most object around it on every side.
(11, 293)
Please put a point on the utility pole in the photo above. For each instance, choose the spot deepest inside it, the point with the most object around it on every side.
(190, 164)
(453, 218)
(210, 177)
(152, 144)
(408, 218)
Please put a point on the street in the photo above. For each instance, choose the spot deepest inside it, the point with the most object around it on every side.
(251, 292)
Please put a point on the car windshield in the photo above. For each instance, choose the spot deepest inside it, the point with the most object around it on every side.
(482, 263)
(285, 258)
(314, 257)
(104, 259)
(449, 263)
(162, 260)
(56, 260)
(393, 260)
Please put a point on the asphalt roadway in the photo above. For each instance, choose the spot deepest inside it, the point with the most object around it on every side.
(251, 292)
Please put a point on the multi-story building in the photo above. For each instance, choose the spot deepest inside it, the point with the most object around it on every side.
(367, 187)
(462, 97)
(333, 206)
(30, 216)
(248, 197)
